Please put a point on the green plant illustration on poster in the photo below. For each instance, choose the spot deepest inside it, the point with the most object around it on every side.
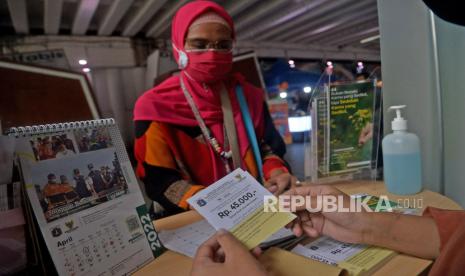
(351, 126)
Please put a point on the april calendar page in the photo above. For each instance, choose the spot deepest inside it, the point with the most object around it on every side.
(87, 201)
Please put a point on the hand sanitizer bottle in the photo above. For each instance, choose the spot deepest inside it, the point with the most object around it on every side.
(402, 158)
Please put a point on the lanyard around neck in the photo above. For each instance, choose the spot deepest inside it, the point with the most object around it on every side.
(225, 156)
(230, 127)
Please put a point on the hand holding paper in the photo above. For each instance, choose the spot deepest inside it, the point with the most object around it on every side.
(235, 203)
(236, 259)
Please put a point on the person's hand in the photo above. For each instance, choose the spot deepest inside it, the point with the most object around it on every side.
(342, 226)
(280, 181)
(366, 134)
(413, 235)
(224, 255)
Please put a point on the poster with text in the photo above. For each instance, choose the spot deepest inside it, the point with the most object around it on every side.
(351, 126)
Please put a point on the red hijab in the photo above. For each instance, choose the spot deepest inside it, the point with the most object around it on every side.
(166, 102)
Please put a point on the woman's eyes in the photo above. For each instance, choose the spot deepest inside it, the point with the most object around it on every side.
(224, 45)
(200, 44)
(204, 44)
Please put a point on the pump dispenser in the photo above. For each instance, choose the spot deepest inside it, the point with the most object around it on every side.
(398, 123)
(401, 157)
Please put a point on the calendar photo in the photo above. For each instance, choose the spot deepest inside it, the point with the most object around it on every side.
(57, 146)
(88, 204)
(64, 188)
(92, 139)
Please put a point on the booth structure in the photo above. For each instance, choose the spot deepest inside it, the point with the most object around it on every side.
(423, 71)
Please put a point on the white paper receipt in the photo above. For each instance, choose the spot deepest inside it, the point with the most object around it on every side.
(235, 203)
(328, 251)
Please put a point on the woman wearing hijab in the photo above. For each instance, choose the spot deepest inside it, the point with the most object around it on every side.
(190, 131)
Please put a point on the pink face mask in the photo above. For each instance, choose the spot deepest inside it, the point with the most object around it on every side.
(208, 66)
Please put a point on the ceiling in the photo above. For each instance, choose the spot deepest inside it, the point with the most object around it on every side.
(334, 23)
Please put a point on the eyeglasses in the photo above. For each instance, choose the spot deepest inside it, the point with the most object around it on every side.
(198, 44)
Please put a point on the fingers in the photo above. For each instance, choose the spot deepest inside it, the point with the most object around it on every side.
(271, 186)
(219, 255)
(220, 246)
(297, 229)
(290, 224)
(273, 189)
(257, 251)
(302, 190)
(281, 182)
(305, 225)
(206, 251)
(230, 245)
(304, 216)
(313, 190)
(311, 194)
(310, 231)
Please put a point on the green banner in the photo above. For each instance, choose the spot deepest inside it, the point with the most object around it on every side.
(351, 126)
(151, 234)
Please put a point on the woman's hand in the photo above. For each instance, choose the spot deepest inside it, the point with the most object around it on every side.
(342, 226)
(224, 255)
(280, 181)
(409, 234)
